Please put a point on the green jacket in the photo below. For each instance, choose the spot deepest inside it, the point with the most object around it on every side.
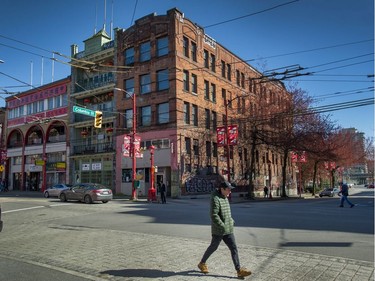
(221, 218)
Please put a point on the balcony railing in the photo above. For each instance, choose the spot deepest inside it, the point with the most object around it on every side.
(98, 81)
(93, 149)
(58, 138)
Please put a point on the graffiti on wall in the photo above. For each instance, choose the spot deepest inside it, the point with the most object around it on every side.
(200, 184)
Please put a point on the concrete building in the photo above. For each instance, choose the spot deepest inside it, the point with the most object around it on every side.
(92, 155)
(37, 137)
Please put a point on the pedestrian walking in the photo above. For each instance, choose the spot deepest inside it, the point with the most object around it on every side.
(222, 228)
(163, 194)
(265, 189)
(344, 192)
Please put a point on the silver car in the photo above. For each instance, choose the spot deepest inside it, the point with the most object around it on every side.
(55, 190)
(87, 192)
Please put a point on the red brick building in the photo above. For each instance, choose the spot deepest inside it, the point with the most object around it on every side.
(186, 86)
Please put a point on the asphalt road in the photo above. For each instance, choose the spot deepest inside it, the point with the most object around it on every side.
(12, 269)
(310, 226)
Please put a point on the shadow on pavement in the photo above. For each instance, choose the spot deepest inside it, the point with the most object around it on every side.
(316, 244)
(155, 273)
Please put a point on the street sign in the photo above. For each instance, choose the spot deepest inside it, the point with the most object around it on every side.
(84, 111)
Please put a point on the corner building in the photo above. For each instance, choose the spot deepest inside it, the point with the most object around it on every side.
(37, 138)
(186, 86)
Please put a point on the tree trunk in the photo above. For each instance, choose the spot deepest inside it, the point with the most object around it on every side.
(252, 165)
(283, 188)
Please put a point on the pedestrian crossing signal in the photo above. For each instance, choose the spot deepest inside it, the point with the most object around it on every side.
(98, 119)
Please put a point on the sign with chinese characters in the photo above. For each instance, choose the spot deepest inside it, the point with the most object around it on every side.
(298, 157)
(96, 166)
(126, 146)
(222, 136)
(233, 134)
(330, 165)
(220, 132)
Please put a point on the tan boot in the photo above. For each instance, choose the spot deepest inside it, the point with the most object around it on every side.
(243, 272)
(203, 267)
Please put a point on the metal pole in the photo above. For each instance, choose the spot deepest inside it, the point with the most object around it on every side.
(227, 138)
(134, 162)
(152, 180)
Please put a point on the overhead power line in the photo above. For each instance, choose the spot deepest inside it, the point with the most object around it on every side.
(252, 14)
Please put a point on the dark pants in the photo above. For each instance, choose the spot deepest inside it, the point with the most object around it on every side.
(163, 198)
(230, 242)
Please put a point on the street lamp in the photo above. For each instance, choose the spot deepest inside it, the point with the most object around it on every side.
(134, 163)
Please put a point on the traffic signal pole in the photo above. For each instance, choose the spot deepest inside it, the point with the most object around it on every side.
(134, 159)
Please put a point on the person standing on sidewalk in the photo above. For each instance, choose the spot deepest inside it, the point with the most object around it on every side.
(344, 191)
(222, 226)
(163, 193)
(265, 189)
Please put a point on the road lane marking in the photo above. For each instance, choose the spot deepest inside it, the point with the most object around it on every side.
(23, 209)
(36, 207)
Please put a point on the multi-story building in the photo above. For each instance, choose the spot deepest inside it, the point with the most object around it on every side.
(37, 137)
(357, 173)
(92, 154)
(186, 86)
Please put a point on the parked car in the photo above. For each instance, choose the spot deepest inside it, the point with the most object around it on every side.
(87, 192)
(1, 222)
(370, 186)
(330, 192)
(55, 190)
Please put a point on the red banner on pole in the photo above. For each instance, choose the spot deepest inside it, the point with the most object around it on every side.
(233, 134)
(126, 147)
(298, 157)
(222, 136)
(220, 132)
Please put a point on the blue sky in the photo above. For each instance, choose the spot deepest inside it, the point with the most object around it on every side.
(334, 39)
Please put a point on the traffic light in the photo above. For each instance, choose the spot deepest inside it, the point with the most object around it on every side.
(98, 119)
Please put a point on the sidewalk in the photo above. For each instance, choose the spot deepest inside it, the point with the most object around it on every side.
(103, 254)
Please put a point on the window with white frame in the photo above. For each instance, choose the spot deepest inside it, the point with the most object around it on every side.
(193, 51)
(64, 99)
(206, 90)
(213, 92)
(57, 102)
(213, 62)
(30, 109)
(208, 118)
(186, 46)
(186, 113)
(194, 114)
(50, 103)
(206, 59)
(194, 83)
(186, 80)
